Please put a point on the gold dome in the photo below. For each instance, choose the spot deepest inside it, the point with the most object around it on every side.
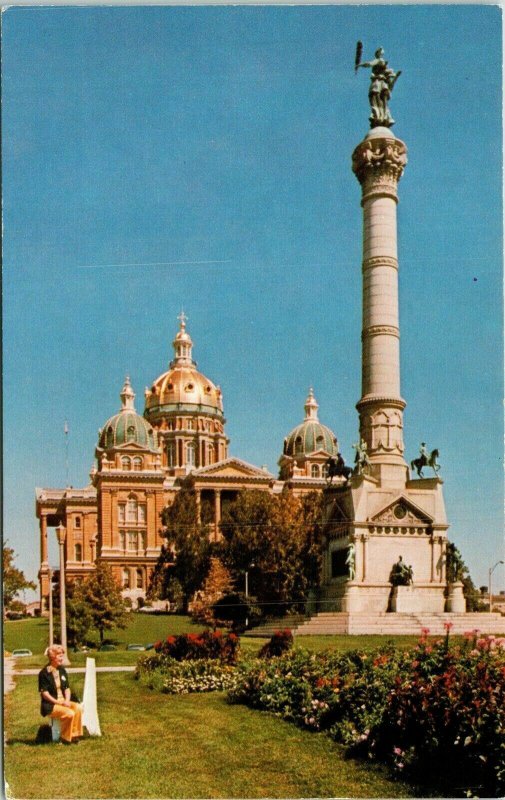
(183, 388)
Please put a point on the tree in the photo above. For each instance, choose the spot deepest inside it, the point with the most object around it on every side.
(14, 580)
(185, 561)
(78, 612)
(102, 596)
(217, 584)
(277, 540)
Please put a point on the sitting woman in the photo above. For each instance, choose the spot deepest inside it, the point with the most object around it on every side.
(55, 696)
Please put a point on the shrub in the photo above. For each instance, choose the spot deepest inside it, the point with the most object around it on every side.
(235, 609)
(193, 646)
(280, 643)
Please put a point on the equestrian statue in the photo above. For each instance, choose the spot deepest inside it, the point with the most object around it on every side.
(425, 460)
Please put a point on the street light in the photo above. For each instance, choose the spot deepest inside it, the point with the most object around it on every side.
(491, 570)
(61, 534)
(250, 566)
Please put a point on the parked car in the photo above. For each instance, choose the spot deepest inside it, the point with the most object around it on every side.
(22, 652)
(135, 647)
(107, 647)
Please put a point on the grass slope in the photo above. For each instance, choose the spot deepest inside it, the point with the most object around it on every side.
(193, 746)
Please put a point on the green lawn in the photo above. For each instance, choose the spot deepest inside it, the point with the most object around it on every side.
(193, 746)
(145, 629)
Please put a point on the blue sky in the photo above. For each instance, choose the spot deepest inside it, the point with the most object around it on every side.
(135, 139)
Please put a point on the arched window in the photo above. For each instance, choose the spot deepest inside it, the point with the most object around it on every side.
(171, 454)
(210, 454)
(77, 522)
(137, 464)
(190, 454)
(109, 437)
(298, 445)
(125, 463)
(325, 470)
(320, 443)
(140, 579)
(315, 470)
(78, 551)
(126, 578)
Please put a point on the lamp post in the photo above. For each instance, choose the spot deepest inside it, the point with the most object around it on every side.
(491, 570)
(250, 566)
(61, 534)
(51, 623)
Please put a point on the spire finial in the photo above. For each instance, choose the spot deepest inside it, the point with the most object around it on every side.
(182, 319)
(127, 396)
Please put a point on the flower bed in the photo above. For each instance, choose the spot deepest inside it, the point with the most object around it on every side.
(432, 711)
(185, 677)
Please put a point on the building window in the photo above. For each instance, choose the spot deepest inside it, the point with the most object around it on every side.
(131, 510)
(78, 552)
(189, 424)
(126, 579)
(142, 513)
(190, 454)
(320, 442)
(298, 445)
(122, 540)
(210, 454)
(133, 540)
(315, 471)
(121, 513)
(77, 522)
(140, 579)
(171, 454)
(137, 464)
(325, 470)
(125, 463)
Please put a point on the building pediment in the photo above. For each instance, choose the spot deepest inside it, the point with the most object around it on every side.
(232, 468)
(401, 511)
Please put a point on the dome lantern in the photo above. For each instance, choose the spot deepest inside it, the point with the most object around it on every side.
(311, 407)
(127, 396)
(182, 346)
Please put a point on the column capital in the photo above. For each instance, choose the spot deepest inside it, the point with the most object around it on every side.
(379, 158)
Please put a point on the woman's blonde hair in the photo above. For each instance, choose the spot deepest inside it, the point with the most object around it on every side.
(53, 650)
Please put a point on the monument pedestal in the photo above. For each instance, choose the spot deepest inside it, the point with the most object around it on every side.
(417, 599)
(455, 598)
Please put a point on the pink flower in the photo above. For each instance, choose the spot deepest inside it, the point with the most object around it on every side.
(448, 626)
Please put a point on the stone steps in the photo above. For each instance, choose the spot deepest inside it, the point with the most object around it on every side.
(292, 621)
(327, 623)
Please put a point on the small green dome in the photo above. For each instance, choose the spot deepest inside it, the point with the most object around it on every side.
(127, 427)
(311, 435)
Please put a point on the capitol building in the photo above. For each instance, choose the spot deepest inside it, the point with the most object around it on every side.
(143, 460)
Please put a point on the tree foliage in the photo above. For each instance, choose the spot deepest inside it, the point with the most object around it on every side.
(14, 580)
(217, 584)
(102, 596)
(277, 540)
(185, 560)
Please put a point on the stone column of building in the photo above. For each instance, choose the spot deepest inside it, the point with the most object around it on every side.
(378, 163)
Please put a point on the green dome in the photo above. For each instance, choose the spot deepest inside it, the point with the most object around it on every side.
(311, 435)
(127, 427)
(308, 438)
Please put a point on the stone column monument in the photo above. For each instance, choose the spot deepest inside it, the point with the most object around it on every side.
(394, 527)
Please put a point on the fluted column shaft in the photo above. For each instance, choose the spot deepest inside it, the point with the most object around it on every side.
(378, 163)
